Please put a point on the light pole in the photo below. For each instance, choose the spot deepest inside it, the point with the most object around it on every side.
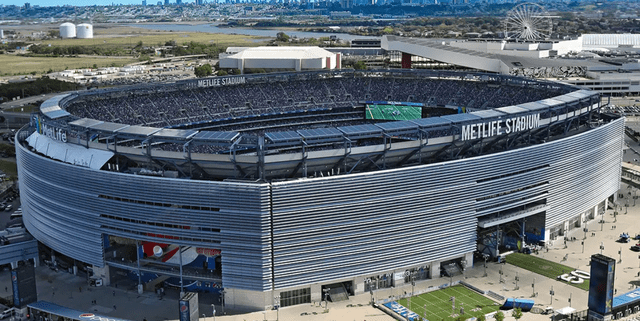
(601, 247)
(517, 279)
(213, 306)
(533, 287)
(277, 304)
(620, 255)
(570, 294)
(485, 257)
(551, 293)
(582, 246)
(223, 292)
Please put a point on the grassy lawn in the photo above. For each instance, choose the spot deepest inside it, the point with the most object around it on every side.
(543, 267)
(9, 168)
(151, 38)
(437, 304)
(18, 65)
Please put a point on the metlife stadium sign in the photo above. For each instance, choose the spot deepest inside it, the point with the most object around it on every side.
(500, 127)
(221, 81)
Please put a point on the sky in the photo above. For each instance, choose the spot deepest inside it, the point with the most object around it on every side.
(53, 3)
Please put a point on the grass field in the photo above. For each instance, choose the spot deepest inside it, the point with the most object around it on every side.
(9, 168)
(543, 267)
(130, 37)
(18, 65)
(392, 112)
(437, 304)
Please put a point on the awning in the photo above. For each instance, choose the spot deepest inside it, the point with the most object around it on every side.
(69, 153)
(566, 311)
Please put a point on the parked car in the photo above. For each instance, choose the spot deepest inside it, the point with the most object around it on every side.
(7, 312)
(8, 208)
(635, 248)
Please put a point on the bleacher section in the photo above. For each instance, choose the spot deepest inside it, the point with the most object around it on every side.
(213, 106)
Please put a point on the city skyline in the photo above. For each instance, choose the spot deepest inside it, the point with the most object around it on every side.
(84, 3)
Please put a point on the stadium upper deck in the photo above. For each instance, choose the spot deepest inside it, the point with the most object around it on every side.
(311, 124)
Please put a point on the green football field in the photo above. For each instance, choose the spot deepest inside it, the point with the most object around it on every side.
(392, 112)
(543, 267)
(438, 305)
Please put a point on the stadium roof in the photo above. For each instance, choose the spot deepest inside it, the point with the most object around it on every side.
(215, 136)
(138, 130)
(398, 127)
(486, 114)
(108, 127)
(431, 122)
(460, 118)
(51, 107)
(550, 102)
(533, 106)
(85, 122)
(511, 109)
(288, 136)
(361, 130)
(321, 134)
(174, 134)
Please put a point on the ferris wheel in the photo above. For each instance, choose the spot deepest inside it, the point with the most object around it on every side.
(528, 21)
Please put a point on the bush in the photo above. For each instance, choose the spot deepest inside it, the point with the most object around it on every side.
(499, 316)
(517, 313)
(203, 71)
(360, 65)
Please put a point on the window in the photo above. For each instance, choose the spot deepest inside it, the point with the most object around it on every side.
(294, 297)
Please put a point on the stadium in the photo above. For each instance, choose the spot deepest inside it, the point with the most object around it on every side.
(288, 188)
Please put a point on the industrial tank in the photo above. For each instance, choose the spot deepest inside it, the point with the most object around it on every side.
(67, 30)
(84, 31)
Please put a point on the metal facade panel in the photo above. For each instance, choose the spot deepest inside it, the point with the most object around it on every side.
(324, 228)
(369, 223)
(65, 208)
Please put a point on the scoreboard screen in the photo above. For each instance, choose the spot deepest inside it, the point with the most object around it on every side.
(384, 110)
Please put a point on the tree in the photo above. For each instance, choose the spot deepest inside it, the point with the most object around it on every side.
(222, 73)
(517, 313)
(360, 65)
(282, 37)
(203, 71)
(499, 316)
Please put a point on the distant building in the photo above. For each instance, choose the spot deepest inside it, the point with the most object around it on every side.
(144, 2)
(167, 2)
(178, 2)
(365, 43)
(293, 58)
(27, 5)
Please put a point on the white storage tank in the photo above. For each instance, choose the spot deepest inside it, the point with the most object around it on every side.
(84, 31)
(67, 30)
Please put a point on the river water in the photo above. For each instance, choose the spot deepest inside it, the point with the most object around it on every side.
(211, 28)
